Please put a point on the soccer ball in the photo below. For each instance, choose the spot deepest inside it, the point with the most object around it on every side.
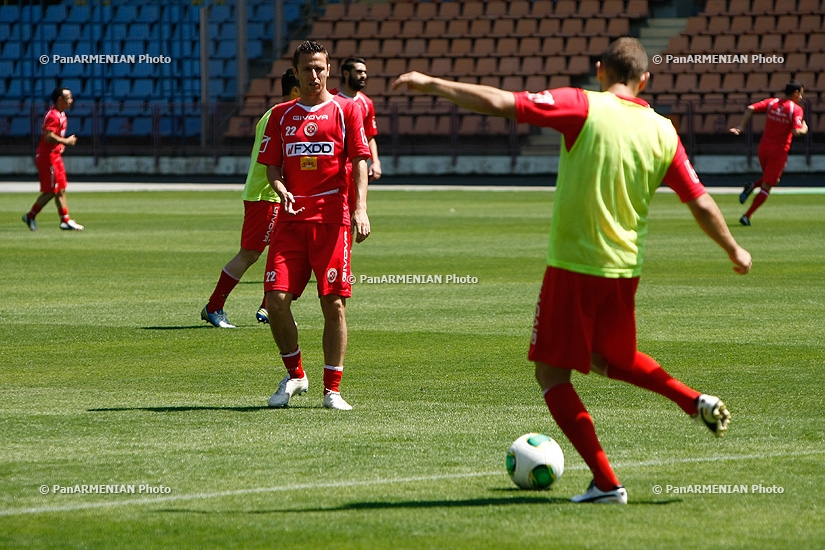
(535, 461)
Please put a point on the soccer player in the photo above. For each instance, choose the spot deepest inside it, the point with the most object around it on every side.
(307, 145)
(260, 211)
(353, 80)
(615, 152)
(784, 121)
(49, 162)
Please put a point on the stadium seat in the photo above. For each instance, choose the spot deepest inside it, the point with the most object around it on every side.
(532, 65)
(564, 9)
(503, 28)
(619, 26)
(571, 27)
(412, 29)
(484, 47)
(495, 9)
(402, 11)
(526, 28)
(518, 9)
(426, 11)
(548, 27)
(449, 10)
(808, 7)
(506, 47)
(434, 28)
(716, 7)
(636, 9)
(529, 46)
(472, 9)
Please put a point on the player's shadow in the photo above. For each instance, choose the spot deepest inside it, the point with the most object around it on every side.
(179, 327)
(183, 408)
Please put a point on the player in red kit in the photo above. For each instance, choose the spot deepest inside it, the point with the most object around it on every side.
(353, 81)
(49, 162)
(785, 119)
(306, 147)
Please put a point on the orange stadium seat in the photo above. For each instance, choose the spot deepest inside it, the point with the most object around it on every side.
(535, 83)
(595, 26)
(553, 45)
(816, 43)
(724, 43)
(434, 28)
(564, 9)
(619, 26)
(695, 25)
(717, 24)
(460, 47)
(472, 10)
(438, 47)
(484, 66)
(449, 10)
(763, 24)
(526, 27)
(507, 46)
(462, 66)
(344, 29)
(394, 66)
(426, 11)
(420, 64)
(796, 62)
(740, 24)
(685, 83)
(555, 65)
(575, 45)
(571, 27)
(795, 42)
(810, 23)
(736, 7)
(457, 28)
(710, 83)
(380, 11)
(518, 9)
(411, 28)
(589, 8)
(678, 44)
(715, 7)
(441, 66)
(770, 43)
(733, 82)
(484, 47)
(747, 43)
(548, 27)
(322, 29)
(759, 7)
(389, 29)
(503, 28)
(513, 83)
(495, 9)
(701, 44)
(542, 9)
(578, 65)
(356, 12)
(334, 12)
(530, 45)
(788, 23)
(636, 9)
(512, 65)
(596, 45)
(816, 61)
(414, 47)
(369, 48)
(368, 28)
(806, 7)
(612, 8)
(391, 47)
(757, 83)
(479, 28)
(403, 11)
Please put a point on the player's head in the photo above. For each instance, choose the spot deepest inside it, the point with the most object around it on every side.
(62, 98)
(311, 65)
(290, 86)
(794, 90)
(624, 62)
(354, 73)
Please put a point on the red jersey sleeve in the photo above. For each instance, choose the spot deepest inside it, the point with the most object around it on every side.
(563, 109)
(271, 151)
(51, 121)
(370, 126)
(356, 140)
(762, 106)
(682, 178)
(797, 116)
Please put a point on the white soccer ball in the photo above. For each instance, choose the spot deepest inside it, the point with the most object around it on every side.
(535, 461)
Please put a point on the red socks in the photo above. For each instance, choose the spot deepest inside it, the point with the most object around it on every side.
(648, 374)
(332, 378)
(64, 214)
(226, 283)
(293, 364)
(569, 413)
(36, 208)
(758, 201)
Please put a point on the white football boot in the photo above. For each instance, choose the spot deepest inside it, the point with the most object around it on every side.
(286, 389)
(713, 414)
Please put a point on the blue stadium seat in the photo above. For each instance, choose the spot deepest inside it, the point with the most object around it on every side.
(254, 49)
(226, 50)
(227, 31)
(20, 126)
(11, 50)
(115, 31)
(69, 32)
(45, 31)
(55, 13)
(9, 14)
(139, 31)
(125, 13)
(192, 126)
(5, 125)
(255, 31)
(14, 89)
(121, 88)
(143, 88)
(220, 14)
(149, 13)
(79, 14)
(216, 89)
(84, 126)
(72, 70)
(30, 14)
(118, 126)
(142, 126)
(134, 47)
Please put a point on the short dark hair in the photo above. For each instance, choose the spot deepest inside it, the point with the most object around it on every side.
(289, 81)
(310, 47)
(349, 63)
(793, 86)
(58, 93)
(624, 60)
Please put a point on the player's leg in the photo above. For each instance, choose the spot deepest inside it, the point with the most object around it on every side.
(575, 422)
(287, 273)
(60, 183)
(47, 191)
(773, 163)
(330, 260)
(561, 342)
(227, 281)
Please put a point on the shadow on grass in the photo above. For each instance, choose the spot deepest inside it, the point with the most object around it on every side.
(403, 505)
(185, 327)
(184, 408)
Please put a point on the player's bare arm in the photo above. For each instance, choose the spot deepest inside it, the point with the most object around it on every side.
(276, 180)
(375, 168)
(710, 219)
(737, 130)
(801, 131)
(360, 220)
(51, 137)
(475, 97)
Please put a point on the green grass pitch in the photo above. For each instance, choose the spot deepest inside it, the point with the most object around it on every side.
(109, 377)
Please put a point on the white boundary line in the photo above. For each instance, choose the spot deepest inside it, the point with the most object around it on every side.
(367, 483)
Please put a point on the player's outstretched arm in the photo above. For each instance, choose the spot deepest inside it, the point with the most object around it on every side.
(481, 99)
(710, 219)
(737, 130)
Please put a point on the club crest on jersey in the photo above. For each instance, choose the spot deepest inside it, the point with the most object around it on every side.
(310, 129)
(303, 148)
(332, 274)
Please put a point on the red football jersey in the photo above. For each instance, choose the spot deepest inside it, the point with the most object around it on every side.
(783, 117)
(313, 145)
(57, 122)
(368, 106)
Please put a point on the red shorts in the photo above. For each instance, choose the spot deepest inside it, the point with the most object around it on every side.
(258, 224)
(52, 173)
(581, 314)
(305, 248)
(773, 163)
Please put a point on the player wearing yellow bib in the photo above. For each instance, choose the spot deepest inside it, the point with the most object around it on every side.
(260, 211)
(615, 152)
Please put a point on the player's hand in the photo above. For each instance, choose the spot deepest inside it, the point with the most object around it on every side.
(413, 80)
(742, 261)
(375, 170)
(71, 140)
(736, 130)
(360, 225)
(287, 200)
